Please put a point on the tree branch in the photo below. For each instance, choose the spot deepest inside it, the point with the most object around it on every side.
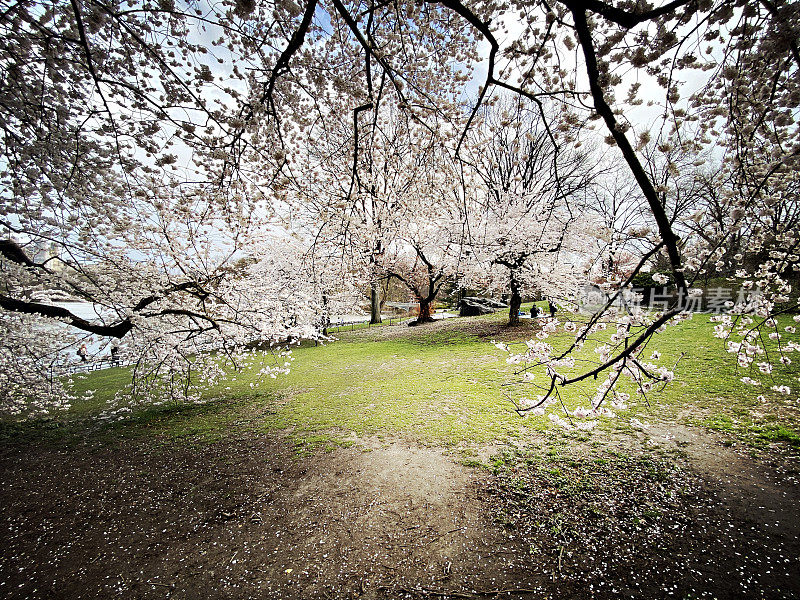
(117, 330)
(604, 110)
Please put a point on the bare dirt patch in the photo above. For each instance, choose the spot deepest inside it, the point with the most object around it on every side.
(240, 519)
(764, 485)
(247, 518)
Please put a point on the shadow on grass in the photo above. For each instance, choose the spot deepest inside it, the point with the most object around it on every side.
(194, 423)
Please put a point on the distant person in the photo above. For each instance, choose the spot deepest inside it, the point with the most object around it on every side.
(535, 312)
(552, 308)
(114, 355)
(83, 352)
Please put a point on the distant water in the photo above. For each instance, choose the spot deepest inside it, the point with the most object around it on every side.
(354, 318)
(93, 312)
(99, 347)
(84, 310)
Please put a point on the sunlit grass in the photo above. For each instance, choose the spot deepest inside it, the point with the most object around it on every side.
(446, 387)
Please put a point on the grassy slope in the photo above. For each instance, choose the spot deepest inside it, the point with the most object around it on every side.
(443, 387)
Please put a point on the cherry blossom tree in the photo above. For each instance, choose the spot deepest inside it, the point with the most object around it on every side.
(616, 201)
(394, 211)
(663, 45)
(528, 200)
(427, 253)
(116, 131)
(587, 55)
(175, 292)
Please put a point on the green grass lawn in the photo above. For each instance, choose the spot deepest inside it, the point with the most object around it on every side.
(439, 386)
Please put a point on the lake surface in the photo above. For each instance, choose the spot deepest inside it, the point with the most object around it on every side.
(100, 347)
(93, 312)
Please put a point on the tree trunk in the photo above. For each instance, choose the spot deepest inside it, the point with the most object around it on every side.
(375, 304)
(326, 318)
(426, 302)
(513, 305)
(425, 306)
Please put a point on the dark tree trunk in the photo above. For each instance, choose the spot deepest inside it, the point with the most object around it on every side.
(425, 310)
(375, 305)
(426, 302)
(326, 319)
(513, 306)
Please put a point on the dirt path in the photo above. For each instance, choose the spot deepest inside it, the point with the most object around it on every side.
(765, 490)
(238, 520)
(246, 518)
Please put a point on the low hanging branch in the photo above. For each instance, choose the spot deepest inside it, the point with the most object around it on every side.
(13, 252)
(117, 330)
